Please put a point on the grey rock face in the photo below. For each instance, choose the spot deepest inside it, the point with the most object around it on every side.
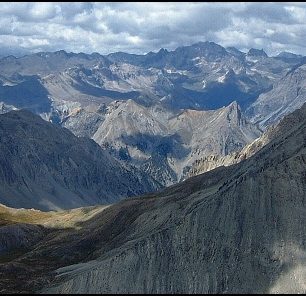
(83, 122)
(238, 229)
(257, 53)
(25, 92)
(210, 162)
(287, 95)
(6, 108)
(164, 143)
(46, 167)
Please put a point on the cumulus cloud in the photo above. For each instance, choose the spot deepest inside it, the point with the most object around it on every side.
(143, 27)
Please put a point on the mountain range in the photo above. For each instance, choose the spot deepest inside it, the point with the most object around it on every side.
(201, 76)
(177, 92)
(235, 229)
(178, 171)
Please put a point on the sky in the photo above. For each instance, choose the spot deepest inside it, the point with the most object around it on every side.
(140, 27)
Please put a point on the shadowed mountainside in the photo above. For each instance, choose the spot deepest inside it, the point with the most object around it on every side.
(46, 167)
(236, 229)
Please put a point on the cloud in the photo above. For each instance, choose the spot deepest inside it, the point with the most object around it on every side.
(143, 27)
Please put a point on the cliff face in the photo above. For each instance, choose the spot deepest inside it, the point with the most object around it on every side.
(232, 230)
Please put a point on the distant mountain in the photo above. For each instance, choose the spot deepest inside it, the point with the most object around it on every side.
(234, 51)
(123, 57)
(236, 229)
(43, 166)
(253, 52)
(287, 95)
(164, 144)
(197, 72)
(191, 77)
(210, 162)
(86, 92)
(289, 57)
(44, 63)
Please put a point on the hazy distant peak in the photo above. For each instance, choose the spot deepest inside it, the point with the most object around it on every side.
(257, 53)
(163, 50)
(235, 52)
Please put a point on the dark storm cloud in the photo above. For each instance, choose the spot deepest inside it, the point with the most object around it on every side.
(143, 27)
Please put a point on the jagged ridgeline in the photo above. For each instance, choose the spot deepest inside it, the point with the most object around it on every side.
(168, 113)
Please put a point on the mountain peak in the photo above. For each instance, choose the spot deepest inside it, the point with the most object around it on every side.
(10, 57)
(233, 112)
(210, 46)
(287, 54)
(234, 104)
(290, 57)
(233, 107)
(235, 52)
(257, 53)
(163, 50)
(62, 51)
(206, 44)
(96, 55)
(230, 74)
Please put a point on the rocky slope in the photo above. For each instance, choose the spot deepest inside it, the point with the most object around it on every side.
(233, 230)
(164, 143)
(208, 163)
(287, 95)
(46, 167)
(236, 229)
